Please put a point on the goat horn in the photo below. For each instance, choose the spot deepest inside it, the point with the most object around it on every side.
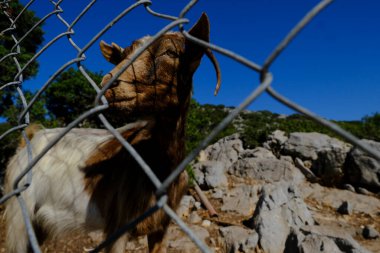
(212, 58)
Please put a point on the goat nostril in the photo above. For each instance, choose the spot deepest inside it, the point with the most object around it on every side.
(114, 84)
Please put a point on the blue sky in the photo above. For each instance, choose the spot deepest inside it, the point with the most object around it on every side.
(332, 68)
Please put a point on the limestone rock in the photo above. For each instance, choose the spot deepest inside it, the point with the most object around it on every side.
(284, 211)
(316, 243)
(275, 141)
(333, 198)
(370, 232)
(362, 169)
(280, 209)
(266, 169)
(341, 238)
(240, 200)
(238, 239)
(226, 150)
(328, 154)
(210, 174)
(258, 152)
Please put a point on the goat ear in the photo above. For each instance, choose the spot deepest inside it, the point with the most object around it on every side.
(201, 29)
(113, 53)
(134, 133)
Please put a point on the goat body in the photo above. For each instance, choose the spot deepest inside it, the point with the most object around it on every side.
(88, 181)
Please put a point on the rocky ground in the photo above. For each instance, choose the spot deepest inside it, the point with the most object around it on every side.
(305, 192)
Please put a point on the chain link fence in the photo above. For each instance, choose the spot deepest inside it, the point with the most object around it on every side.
(264, 85)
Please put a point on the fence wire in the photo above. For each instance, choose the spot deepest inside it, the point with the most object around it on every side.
(264, 85)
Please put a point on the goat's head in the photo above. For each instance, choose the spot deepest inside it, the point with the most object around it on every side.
(159, 81)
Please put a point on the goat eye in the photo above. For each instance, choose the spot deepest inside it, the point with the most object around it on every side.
(172, 54)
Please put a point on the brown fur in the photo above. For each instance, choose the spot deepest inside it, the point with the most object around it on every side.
(30, 131)
(88, 180)
(158, 85)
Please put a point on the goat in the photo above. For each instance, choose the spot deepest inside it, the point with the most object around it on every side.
(88, 181)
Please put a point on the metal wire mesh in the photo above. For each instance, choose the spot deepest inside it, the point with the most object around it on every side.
(265, 85)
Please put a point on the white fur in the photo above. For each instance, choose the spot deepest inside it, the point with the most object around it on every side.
(61, 204)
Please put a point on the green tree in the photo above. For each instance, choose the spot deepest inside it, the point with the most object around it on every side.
(371, 127)
(70, 95)
(10, 103)
(256, 126)
(200, 122)
(37, 113)
(28, 47)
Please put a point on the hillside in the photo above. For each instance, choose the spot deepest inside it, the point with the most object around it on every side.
(254, 126)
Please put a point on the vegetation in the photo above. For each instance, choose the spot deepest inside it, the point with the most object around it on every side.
(69, 96)
(257, 125)
(38, 111)
(201, 120)
(10, 104)
(254, 127)
(28, 47)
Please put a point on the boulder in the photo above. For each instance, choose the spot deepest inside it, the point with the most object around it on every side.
(327, 154)
(314, 238)
(279, 210)
(225, 150)
(344, 241)
(362, 169)
(333, 198)
(238, 239)
(210, 174)
(266, 169)
(240, 200)
(317, 243)
(258, 152)
(275, 141)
